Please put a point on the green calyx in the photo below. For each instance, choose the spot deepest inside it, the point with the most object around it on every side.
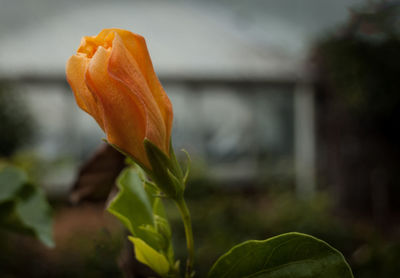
(166, 171)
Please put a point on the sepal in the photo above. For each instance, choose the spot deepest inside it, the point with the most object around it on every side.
(165, 172)
(188, 165)
(127, 155)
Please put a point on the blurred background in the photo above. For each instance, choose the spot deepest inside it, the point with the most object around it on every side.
(290, 111)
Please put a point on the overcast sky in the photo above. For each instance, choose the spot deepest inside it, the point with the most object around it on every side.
(309, 15)
(212, 36)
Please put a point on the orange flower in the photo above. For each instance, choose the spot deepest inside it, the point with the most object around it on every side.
(113, 80)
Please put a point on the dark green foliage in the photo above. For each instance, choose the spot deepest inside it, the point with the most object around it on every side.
(361, 64)
(358, 112)
(286, 255)
(223, 218)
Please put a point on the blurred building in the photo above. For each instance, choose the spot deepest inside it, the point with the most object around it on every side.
(241, 95)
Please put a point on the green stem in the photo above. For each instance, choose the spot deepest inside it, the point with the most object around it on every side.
(189, 235)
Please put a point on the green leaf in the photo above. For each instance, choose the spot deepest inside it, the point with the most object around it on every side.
(34, 212)
(292, 255)
(160, 218)
(150, 257)
(12, 179)
(23, 206)
(158, 208)
(152, 190)
(132, 206)
(137, 206)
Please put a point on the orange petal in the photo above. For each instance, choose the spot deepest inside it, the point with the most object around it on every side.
(136, 45)
(75, 71)
(124, 113)
(125, 69)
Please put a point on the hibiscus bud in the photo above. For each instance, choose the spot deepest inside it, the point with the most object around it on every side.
(113, 80)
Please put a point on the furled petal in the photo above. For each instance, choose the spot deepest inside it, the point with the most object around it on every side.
(124, 113)
(75, 71)
(125, 69)
(136, 45)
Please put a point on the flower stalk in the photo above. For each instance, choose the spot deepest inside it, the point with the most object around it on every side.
(187, 222)
(168, 176)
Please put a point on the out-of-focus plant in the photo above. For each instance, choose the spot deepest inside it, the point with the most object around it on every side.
(358, 111)
(23, 206)
(114, 81)
(16, 128)
(361, 63)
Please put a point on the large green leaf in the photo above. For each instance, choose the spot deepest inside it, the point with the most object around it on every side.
(288, 255)
(23, 206)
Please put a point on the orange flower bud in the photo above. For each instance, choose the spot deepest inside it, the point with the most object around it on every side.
(113, 80)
